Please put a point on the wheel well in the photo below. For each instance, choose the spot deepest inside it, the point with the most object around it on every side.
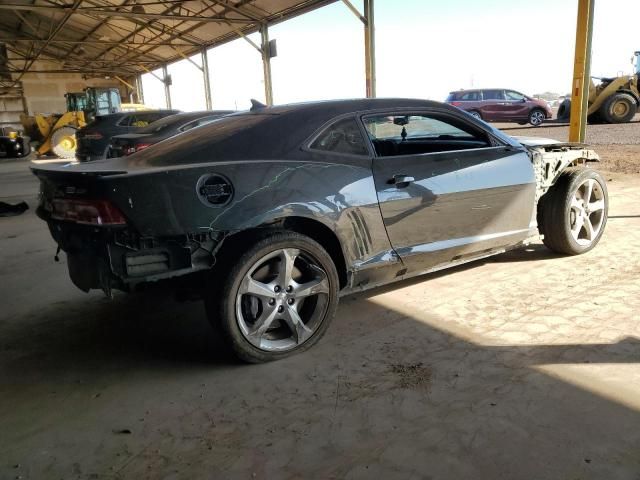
(311, 228)
(325, 237)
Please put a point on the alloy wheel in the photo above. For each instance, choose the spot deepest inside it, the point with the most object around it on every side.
(586, 216)
(282, 300)
(536, 118)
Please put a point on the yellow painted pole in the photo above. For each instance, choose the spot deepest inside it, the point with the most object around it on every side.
(370, 49)
(581, 71)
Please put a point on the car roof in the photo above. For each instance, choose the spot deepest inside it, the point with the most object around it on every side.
(337, 107)
(276, 132)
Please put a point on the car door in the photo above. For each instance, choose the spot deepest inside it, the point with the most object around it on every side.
(515, 106)
(493, 108)
(447, 187)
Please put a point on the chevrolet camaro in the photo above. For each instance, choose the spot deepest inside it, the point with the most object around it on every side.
(274, 213)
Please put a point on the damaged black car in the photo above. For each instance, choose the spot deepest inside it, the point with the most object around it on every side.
(279, 211)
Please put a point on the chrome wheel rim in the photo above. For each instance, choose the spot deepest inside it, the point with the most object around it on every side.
(587, 212)
(282, 300)
(537, 118)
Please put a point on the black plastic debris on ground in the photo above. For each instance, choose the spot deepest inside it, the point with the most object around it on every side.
(8, 210)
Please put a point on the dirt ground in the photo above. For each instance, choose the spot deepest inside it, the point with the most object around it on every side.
(520, 367)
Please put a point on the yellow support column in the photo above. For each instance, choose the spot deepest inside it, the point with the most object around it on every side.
(581, 71)
(370, 49)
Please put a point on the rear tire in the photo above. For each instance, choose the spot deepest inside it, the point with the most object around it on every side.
(277, 299)
(63, 142)
(564, 111)
(619, 108)
(572, 215)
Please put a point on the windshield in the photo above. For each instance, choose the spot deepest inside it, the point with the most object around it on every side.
(414, 126)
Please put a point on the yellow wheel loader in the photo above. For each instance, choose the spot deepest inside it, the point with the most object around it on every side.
(613, 100)
(56, 133)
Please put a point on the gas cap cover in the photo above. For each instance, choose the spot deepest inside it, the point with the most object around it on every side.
(214, 190)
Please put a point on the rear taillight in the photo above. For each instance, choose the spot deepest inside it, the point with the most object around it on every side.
(456, 104)
(87, 212)
(136, 148)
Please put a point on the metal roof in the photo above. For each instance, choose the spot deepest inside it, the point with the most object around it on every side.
(127, 37)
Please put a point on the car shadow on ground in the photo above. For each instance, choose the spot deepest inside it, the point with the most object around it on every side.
(151, 326)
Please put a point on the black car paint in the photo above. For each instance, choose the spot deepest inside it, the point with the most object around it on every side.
(461, 205)
(90, 148)
(149, 135)
(14, 147)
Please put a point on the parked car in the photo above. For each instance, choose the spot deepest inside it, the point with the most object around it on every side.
(274, 213)
(129, 143)
(93, 139)
(500, 105)
(13, 144)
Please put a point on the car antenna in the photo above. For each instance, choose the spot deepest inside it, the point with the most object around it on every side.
(256, 105)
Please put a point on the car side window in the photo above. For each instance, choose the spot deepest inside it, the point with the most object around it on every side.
(415, 134)
(144, 119)
(493, 95)
(343, 136)
(511, 95)
(470, 96)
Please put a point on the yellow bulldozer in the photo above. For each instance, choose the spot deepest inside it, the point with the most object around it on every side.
(56, 133)
(612, 100)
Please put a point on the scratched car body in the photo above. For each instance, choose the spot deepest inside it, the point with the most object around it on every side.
(274, 213)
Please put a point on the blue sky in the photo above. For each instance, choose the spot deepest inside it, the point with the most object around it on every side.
(425, 48)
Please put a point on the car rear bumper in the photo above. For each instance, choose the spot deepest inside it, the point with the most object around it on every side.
(109, 258)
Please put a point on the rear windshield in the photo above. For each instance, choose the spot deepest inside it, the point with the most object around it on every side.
(226, 136)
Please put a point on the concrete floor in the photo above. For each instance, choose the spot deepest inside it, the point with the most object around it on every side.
(522, 367)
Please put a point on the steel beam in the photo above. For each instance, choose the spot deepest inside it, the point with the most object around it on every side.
(167, 88)
(370, 48)
(94, 42)
(123, 14)
(581, 71)
(206, 80)
(139, 92)
(266, 64)
(53, 34)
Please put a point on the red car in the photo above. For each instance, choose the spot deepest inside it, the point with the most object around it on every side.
(501, 105)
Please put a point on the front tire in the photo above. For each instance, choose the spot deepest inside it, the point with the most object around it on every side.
(619, 108)
(277, 299)
(537, 117)
(63, 142)
(572, 215)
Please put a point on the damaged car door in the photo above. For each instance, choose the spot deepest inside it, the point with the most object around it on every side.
(448, 188)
